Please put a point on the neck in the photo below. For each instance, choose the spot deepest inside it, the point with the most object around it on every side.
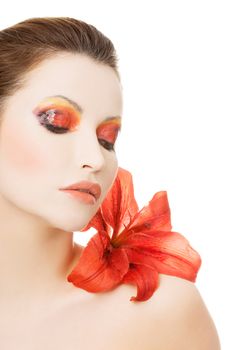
(35, 259)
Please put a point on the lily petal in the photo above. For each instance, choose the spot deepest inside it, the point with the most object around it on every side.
(120, 205)
(100, 267)
(151, 218)
(142, 244)
(146, 280)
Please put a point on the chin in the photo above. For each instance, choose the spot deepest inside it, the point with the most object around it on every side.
(71, 223)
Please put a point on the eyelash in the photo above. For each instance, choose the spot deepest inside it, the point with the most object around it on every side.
(109, 145)
(59, 130)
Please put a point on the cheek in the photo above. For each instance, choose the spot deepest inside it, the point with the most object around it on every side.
(111, 174)
(19, 152)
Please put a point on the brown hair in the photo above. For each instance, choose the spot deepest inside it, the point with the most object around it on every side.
(26, 44)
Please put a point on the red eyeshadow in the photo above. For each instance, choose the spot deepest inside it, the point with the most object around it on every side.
(109, 130)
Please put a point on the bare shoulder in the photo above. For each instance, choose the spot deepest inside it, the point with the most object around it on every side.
(176, 317)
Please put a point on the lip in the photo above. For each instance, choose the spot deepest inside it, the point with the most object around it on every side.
(82, 196)
(75, 189)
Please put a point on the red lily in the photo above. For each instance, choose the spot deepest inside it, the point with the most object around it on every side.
(133, 246)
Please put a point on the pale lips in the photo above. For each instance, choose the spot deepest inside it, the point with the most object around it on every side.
(85, 186)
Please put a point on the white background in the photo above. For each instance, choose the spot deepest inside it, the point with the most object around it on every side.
(177, 66)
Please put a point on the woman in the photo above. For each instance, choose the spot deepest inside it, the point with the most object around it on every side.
(60, 115)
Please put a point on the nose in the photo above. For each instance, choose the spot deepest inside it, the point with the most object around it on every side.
(90, 152)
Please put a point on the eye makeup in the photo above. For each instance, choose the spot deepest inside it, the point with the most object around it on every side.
(59, 115)
(109, 130)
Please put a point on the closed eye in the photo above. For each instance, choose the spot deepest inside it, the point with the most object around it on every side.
(108, 145)
(44, 121)
(58, 130)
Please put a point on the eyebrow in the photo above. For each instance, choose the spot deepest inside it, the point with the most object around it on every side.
(80, 109)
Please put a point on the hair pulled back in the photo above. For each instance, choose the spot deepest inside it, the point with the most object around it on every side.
(26, 44)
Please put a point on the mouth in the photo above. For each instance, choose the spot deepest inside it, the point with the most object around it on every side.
(91, 188)
(85, 191)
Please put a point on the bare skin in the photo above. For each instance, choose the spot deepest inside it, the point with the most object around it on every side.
(75, 319)
(104, 321)
(37, 220)
(39, 309)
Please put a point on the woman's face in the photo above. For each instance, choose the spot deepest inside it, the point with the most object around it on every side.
(47, 143)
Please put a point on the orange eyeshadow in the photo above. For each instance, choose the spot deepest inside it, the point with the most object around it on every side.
(58, 113)
(109, 130)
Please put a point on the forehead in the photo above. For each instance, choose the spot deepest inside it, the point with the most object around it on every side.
(93, 85)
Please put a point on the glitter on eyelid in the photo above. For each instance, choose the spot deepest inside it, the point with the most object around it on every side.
(60, 111)
(57, 112)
